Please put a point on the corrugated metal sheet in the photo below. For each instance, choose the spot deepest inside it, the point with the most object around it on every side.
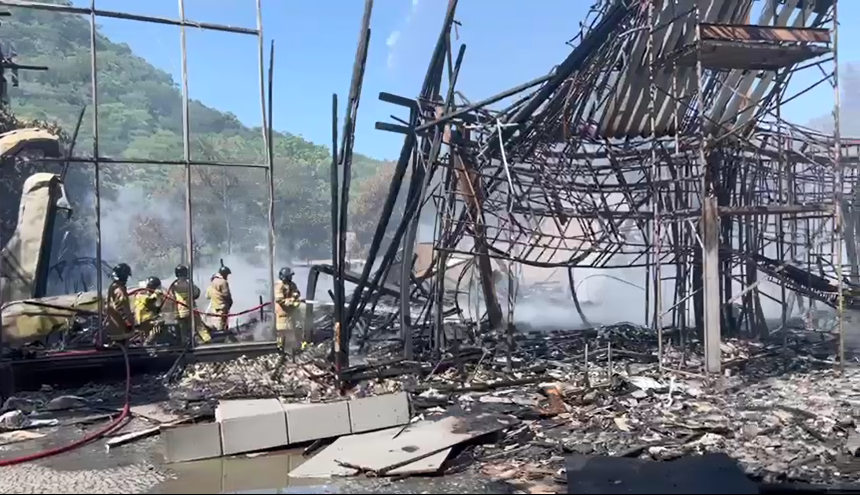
(737, 103)
(625, 113)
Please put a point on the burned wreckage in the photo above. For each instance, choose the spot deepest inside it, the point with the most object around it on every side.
(657, 148)
(673, 161)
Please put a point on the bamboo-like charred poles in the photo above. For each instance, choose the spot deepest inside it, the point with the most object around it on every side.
(96, 166)
(270, 174)
(429, 92)
(838, 176)
(335, 238)
(343, 159)
(440, 136)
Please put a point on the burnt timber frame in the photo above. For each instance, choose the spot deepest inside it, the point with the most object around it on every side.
(652, 147)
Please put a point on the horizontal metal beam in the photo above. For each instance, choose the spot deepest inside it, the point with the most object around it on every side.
(488, 101)
(149, 161)
(68, 9)
(14, 66)
(749, 32)
(723, 211)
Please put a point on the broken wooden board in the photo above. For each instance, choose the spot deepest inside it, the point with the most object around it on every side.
(420, 449)
(16, 436)
(427, 465)
(154, 412)
(147, 432)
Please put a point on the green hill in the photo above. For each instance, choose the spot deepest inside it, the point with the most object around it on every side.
(140, 117)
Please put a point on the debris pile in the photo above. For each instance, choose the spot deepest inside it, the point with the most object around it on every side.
(782, 411)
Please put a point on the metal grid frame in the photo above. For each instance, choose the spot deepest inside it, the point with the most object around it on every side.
(96, 160)
(517, 181)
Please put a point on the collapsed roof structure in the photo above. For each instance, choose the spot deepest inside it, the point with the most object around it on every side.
(659, 142)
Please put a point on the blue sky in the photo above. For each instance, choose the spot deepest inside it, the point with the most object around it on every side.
(508, 42)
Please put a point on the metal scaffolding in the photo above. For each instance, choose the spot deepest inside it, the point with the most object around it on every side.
(659, 142)
(97, 160)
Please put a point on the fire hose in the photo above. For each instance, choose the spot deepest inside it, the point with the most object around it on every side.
(124, 413)
(167, 296)
(114, 425)
(228, 315)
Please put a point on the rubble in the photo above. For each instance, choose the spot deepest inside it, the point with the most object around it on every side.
(13, 420)
(65, 402)
(784, 413)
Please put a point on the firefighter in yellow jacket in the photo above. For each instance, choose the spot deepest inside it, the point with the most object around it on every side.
(219, 294)
(287, 301)
(119, 320)
(147, 309)
(179, 292)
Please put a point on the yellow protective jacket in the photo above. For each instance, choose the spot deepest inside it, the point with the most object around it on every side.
(219, 293)
(286, 301)
(179, 292)
(147, 305)
(119, 319)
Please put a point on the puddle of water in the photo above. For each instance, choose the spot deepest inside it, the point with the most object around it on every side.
(263, 474)
(294, 489)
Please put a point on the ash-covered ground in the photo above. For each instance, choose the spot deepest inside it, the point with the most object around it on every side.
(782, 410)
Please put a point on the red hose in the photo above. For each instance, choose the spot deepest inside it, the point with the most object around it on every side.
(87, 439)
(167, 296)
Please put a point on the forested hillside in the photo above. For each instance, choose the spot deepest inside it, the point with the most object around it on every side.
(140, 117)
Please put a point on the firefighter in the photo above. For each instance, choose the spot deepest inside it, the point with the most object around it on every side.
(119, 320)
(287, 301)
(178, 291)
(147, 309)
(219, 294)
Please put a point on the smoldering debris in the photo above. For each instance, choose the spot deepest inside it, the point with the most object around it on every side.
(780, 410)
(782, 413)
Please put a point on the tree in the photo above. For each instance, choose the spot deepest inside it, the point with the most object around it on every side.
(140, 118)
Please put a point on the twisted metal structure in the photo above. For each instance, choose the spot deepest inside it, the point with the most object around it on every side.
(659, 142)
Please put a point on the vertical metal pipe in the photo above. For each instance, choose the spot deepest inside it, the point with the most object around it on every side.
(837, 201)
(96, 168)
(681, 202)
(609, 370)
(585, 365)
(407, 263)
(267, 141)
(335, 245)
(186, 150)
(656, 181)
(782, 199)
(271, 172)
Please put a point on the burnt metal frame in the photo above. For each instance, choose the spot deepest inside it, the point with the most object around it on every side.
(92, 12)
(521, 171)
